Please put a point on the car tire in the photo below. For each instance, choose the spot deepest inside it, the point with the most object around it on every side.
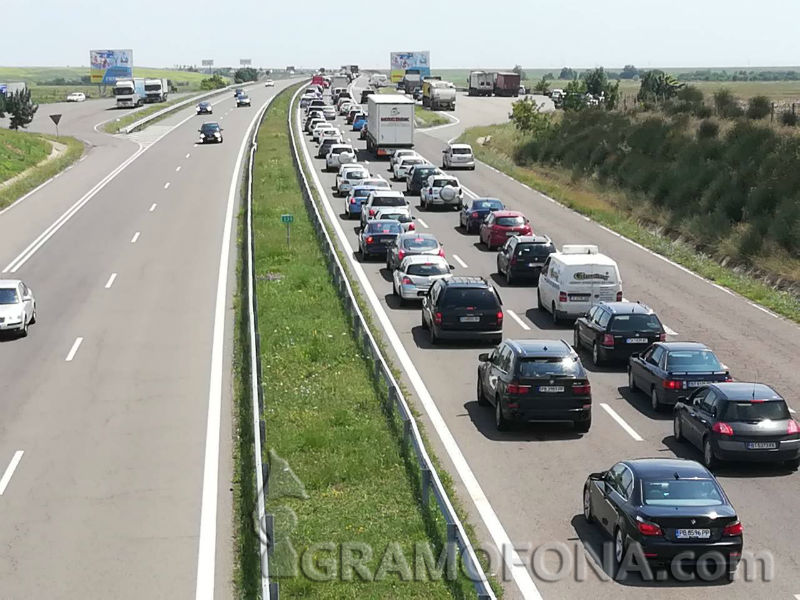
(793, 464)
(632, 381)
(539, 304)
(433, 336)
(655, 403)
(709, 460)
(500, 421)
(576, 340)
(509, 277)
(676, 428)
(362, 254)
(556, 320)
(424, 322)
(23, 332)
(587, 505)
(482, 401)
(619, 550)
(33, 318)
(597, 359)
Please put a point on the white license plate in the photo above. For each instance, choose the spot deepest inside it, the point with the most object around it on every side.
(697, 534)
(551, 388)
(389, 241)
(510, 233)
(470, 319)
(532, 264)
(637, 340)
(762, 445)
(697, 383)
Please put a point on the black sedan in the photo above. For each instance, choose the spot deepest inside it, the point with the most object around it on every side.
(663, 508)
(210, 133)
(738, 421)
(667, 371)
(522, 257)
(377, 237)
(204, 108)
(473, 214)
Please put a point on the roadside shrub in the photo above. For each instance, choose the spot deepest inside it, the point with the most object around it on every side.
(726, 104)
(789, 118)
(703, 112)
(759, 107)
(707, 129)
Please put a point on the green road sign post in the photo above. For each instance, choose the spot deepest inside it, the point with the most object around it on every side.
(288, 219)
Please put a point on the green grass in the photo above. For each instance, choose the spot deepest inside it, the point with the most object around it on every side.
(324, 413)
(609, 206)
(40, 174)
(428, 118)
(20, 150)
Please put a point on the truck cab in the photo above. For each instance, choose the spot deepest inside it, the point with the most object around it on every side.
(156, 90)
(129, 93)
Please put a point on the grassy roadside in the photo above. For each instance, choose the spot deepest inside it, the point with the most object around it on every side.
(428, 118)
(606, 206)
(324, 415)
(42, 173)
(20, 150)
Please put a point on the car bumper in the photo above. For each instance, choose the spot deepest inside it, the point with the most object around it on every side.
(376, 250)
(11, 326)
(353, 209)
(530, 415)
(620, 352)
(437, 201)
(662, 552)
(467, 334)
(413, 292)
(526, 272)
(463, 165)
(737, 451)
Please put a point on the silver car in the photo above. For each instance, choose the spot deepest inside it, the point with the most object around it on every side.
(17, 306)
(416, 273)
(412, 242)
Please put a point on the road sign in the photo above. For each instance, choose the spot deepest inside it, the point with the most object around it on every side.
(287, 218)
(56, 118)
(245, 62)
(207, 62)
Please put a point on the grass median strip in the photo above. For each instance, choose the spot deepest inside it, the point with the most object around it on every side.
(429, 118)
(342, 488)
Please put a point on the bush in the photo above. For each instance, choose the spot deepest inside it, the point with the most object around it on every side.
(726, 104)
(789, 118)
(212, 83)
(527, 117)
(759, 107)
(703, 112)
(707, 129)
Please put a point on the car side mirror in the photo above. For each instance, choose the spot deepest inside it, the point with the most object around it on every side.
(483, 357)
(683, 399)
(597, 476)
(451, 267)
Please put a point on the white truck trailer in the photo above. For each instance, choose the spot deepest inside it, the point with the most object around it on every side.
(390, 123)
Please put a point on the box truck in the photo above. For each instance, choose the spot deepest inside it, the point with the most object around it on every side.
(156, 90)
(480, 83)
(339, 81)
(390, 123)
(507, 84)
(129, 92)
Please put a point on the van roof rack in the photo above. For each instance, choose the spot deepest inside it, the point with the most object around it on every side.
(579, 249)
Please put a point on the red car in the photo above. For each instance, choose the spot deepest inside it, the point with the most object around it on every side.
(501, 225)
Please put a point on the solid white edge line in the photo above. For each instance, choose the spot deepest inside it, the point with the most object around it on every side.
(153, 207)
(621, 422)
(500, 537)
(135, 237)
(423, 223)
(9, 473)
(177, 169)
(457, 258)
(111, 280)
(517, 319)
(166, 185)
(74, 350)
(207, 543)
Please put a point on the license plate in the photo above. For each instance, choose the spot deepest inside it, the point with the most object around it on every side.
(532, 264)
(510, 233)
(389, 241)
(470, 319)
(551, 388)
(637, 340)
(762, 445)
(697, 534)
(697, 383)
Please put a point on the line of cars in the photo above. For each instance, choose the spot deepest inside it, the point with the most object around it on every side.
(660, 507)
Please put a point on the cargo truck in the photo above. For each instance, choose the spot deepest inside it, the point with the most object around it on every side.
(339, 81)
(438, 95)
(390, 123)
(480, 83)
(129, 92)
(411, 81)
(156, 90)
(507, 84)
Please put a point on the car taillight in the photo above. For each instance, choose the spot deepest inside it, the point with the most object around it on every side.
(352, 200)
(411, 227)
(792, 427)
(582, 389)
(608, 339)
(500, 316)
(671, 384)
(562, 296)
(441, 252)
(733, 529)
(728, 377)
(407, 281)
(662, 337)
(371, 212)
(474, 215)
(516, 388)
(619, 296)
(646, 528)
(722, 428)
(400, 254)
(369, 240)
(438, 318)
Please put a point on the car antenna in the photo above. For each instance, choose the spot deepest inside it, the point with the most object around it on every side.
(677, 476)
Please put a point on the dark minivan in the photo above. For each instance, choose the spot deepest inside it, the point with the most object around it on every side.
(615, 330)
(463, 308)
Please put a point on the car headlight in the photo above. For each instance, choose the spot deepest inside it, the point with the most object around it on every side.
(216, 134)
(202, 135)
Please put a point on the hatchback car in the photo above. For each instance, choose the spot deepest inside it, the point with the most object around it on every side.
(501, 225)
(339, 154)
(475, 211)
(326, 145)
(401, 214)
(17, 306)
(314, 122)
(317, 129)
(210, 133)
(242, 100)
(349, 174)
(413, 242)
(398, 154)
(463, 308)
(522, 257)
(402, 166)
(458, 156)
(673, 509)
(76, 97)
(615, 330)
(738, 421)
(535, 380)
(351, 114)
(269, 83)
(355, 199)
(666, 370)
(416, 273)
(377, 236)
(359, 122)
(204, 108)
(417, 177)
(380, 199)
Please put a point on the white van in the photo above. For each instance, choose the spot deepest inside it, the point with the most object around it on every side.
(575, 279)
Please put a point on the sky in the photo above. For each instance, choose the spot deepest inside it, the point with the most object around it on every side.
(462, 34)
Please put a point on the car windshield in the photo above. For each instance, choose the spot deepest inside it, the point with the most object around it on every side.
(384, 227)
(681, 492)
(754, 412)
(420, 243)
(534, 250)
(462, 151)
(427, 269)
(692, 361)
(549, 365)
(623, 323)
(210, 127)
(8, 296)
(487, 205)
(478, 298)
(509, 221)
(204, 105)
(388, 201)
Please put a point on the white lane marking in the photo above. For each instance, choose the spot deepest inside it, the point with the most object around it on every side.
(135, 237)
(459, 261)
(153, 207)
(81, 159)
(517, 319)
(111, 280)
(669, 331)
(177, 169)
(166, 185)
(621, 422)
(207, 545)
(423, 223)
(454, 121)
(791, 410)
(188, 154)
(765, 310)
(12, 466)
(499, 535)
(74, 350)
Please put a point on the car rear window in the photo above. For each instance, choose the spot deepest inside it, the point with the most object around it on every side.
(356, 175)
(545, 366)
(462, 151)
(756, 411)
(510, 221)
(426, 269)
(423, 173)
(362, 193)
(487, 205)
(537, 250)
(388, 201)
(681, 492)
(420, 243)
(625, 323)
(401, 217)
(393, 227)
(378, 183)
(692, 361)
(480, 298)
(444, 182)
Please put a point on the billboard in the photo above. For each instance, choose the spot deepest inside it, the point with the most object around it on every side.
(245, 62)
(400, 61)
(207, 62)
(106, 66)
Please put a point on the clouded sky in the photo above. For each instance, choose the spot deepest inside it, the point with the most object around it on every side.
(463, 34)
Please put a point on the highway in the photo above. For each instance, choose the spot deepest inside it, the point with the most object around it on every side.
(115, 425)
(530, 480)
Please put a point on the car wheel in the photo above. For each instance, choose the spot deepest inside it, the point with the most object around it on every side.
(576, 340)
(583, 426)
(539, 300)
(587, 505)
(482, 401)
(424, 322)
(709, 460)
(33, 317)
(619, 548)
(500, 421)
(555, 314)
(596, 358)
(676, 429)
(363, 254)
(434, 337)
(388, 264)
(631, 381)
(655, 403)
(793, 464)
(394, 290)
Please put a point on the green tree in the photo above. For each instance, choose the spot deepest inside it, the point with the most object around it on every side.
(657, 86)
(542, 86)
(567, 73)
(2, 106)
(726, 104)
(21, 108)
(212, 83)
(527, 117)
(629, 72)
(598, 84)
(519, 71)
(245, 74)
(575, 95)
(759, 107)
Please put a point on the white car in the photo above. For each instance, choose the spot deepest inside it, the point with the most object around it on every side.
(17, 306)
(401, 214)
(458, 156)
(76, 97)
(441, 190)
(345, 108)
(402, 166)
(348, 176)
(381, 199)
(330, 134)
(339, 154)
(269, 83)
(317, 130)
(416, 273)
(329, 113)
(377, 182)
(398, 154)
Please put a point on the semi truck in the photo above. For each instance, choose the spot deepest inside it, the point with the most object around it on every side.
(480, 83)
(507, 84)
(390, 123)
(411, 80)
(129, 92)
(156, 90)
(438, 95)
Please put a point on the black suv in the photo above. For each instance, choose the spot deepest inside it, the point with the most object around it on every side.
(522, 257)
(463, 308)
(418, 176)
(535, 380)
(615, 330)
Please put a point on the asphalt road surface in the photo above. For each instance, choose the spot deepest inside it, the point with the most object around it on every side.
(532, 478)
(110, 401)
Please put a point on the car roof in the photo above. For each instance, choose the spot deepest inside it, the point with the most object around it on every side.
(393, 193)
(461, 146)
(424, 258)
(741, 390)
(677, 346)
(667, 468)
(7, 283)
(628, 308)
(584, 259)
(541, 347)
(210, 123)
(532, 239)
(507, 213)
(382, 222)
(467, 281)
(342, 146)
(474, 200)
(418, 234)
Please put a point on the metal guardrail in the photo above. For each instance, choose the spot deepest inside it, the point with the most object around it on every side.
(431, 483)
